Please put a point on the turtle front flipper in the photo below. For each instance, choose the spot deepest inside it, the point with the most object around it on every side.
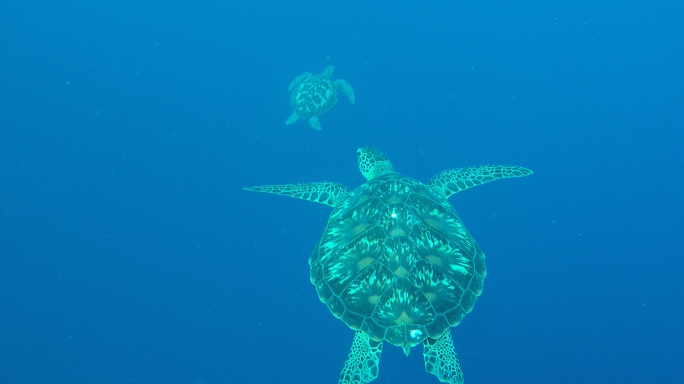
(299, 79)
(314, 123)
(323, 192)
(456, 180)
(346, 89)
(292, 119)
(440, 359)
(361, 366)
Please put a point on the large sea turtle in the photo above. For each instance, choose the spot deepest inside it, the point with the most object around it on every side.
(395, 262)
(313, 95)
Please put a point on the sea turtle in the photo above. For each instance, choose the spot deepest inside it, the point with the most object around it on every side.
(313, 95)
(395, 262)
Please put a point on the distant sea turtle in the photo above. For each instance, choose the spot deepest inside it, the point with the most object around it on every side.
(395, 262)
(313, 95)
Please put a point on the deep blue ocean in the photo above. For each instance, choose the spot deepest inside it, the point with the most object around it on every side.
(129, 252)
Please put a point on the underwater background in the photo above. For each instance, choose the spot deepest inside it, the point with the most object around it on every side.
(129, 252)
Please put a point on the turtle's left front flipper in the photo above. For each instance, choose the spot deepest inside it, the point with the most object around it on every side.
(440, 359)
(456, 180)
(346, 89)
(324, 192)
(362, 365)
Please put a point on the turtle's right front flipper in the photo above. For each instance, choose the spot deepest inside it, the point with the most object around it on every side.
(346, 89)
(456, 180)
(324, 192)
(362, 365)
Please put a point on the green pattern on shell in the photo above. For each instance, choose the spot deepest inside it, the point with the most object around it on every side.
(313, 96)
(396, 262)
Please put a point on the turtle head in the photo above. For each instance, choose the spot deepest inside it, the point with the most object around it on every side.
(373, 163)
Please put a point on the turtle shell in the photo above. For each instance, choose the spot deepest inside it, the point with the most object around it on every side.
(396, 262)
(313, 96)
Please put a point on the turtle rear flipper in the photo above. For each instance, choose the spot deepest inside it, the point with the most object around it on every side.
(314, 123)
(292, 119)
(361, 366)
(440, 359)
(346, 89)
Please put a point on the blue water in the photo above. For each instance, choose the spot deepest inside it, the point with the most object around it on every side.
(129, 252)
